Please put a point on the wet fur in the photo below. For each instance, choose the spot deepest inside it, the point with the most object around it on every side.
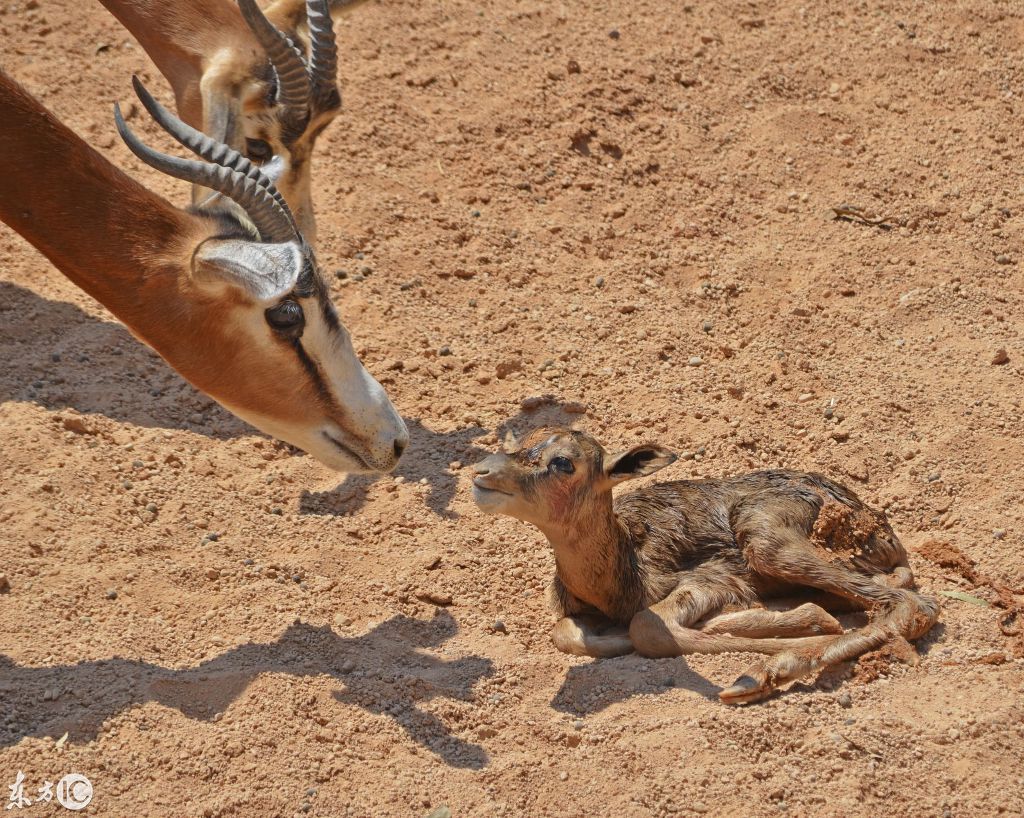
(701, 530)
(680, 567)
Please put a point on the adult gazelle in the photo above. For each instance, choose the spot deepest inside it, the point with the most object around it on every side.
(231, 298)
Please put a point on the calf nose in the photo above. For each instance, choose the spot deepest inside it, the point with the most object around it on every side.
(493, 463)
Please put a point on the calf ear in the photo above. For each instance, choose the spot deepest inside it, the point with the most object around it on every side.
(638, 461)
(510, 445)
(266, 272)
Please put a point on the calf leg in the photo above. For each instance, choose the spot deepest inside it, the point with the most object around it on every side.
(897, 613)
(804, 620)
(591, 635)
(668, 628)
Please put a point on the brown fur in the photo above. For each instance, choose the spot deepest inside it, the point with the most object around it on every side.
(132, 251)
(664, 561)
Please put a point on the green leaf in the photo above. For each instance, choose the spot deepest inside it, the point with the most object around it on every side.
(973, 600)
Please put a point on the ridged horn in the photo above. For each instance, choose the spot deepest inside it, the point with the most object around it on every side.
(323, 54)
(273, 223)
(293, 86)
(209, 149)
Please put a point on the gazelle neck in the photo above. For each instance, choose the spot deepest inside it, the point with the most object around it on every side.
(121, 243)
(182, 38)
(594, 559)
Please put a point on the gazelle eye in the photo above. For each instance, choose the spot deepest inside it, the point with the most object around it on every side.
(561, 464)
(258, 150)
(286, 317)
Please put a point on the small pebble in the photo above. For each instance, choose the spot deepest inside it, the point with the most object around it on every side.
(997, 533)
(696, 360)
(111, 594)
(845, 700)
(499, 626)
(707, 326)
(444, 352)
(1001, 357)
(614, 34)
(5, 584)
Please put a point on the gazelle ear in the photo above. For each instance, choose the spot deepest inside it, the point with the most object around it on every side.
(637, 461)
(266, 272)
(510, 445)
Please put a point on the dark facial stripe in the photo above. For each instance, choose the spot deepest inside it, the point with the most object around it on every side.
(330, 314)
(317, 378)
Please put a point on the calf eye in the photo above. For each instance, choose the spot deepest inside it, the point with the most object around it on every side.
(258, 150)
(562, 464)
(286, 317)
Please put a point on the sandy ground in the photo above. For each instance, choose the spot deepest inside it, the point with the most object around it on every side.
(576, 200)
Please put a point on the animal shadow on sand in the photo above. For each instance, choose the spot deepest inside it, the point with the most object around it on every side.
(390, 675)
(59, 357)
(592, 687)
(427, 457)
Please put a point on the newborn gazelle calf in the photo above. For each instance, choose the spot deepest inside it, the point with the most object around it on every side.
(680, 567)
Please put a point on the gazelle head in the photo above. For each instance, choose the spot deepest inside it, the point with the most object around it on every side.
(557, 478)
(254, 327)
(273, 112)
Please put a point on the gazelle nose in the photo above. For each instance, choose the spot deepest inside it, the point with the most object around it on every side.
(400, 445)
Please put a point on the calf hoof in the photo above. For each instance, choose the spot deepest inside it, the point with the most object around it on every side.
(765, 677)
(751, 687)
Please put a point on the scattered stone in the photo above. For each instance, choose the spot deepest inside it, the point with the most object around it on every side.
(506, 368)
(845, 700)
(626, 309)
(444, 352)
(212, 573)
(840, 435)
(348, 666)
(997, 533)
(440, 598)
(614, 34)
(111, 594)
(1001, 357)
(599, 281)
(806, 396)
(535, 402)
(78, 426)
(5, 584)
(707, 326)
(499, 626)
(696, 360)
